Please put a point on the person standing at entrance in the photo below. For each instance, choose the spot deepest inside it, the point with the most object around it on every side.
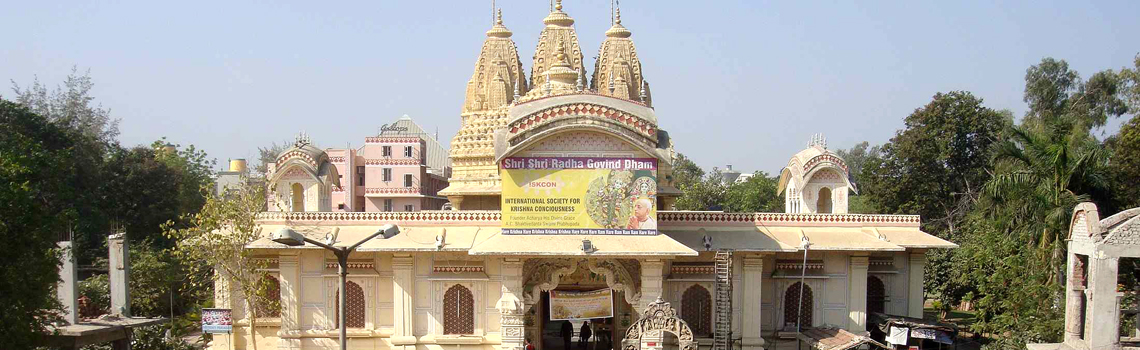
(584, 335)
(567, 334)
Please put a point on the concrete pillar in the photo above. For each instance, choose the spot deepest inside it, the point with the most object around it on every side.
(753, 267)
(120, 271)
(1103, 316)
(403, 304)
(289, 336)
(652, 277)
(1074, 298)
(511, 306)
(915, 296)
(67, 291)
(857, 295)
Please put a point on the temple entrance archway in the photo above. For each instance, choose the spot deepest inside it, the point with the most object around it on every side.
(659, 318)
(542, 275)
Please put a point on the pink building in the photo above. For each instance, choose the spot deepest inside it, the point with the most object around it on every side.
(390, 173)
(400, 170)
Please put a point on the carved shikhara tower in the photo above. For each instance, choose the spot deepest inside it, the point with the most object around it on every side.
(559, 112)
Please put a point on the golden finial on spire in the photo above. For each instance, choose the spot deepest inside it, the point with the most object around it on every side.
(617, 16)
(499, 17)
(558, 5)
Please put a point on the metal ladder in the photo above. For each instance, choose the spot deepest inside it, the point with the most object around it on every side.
(722, 334)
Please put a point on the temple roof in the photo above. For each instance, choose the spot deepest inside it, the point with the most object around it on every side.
(558, 35)
(617, 70)
(498, 75)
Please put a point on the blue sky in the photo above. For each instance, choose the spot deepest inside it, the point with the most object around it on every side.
(740, 82)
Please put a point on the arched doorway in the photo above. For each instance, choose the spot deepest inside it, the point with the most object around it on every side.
(792, 306)
(542, 275)
(298, 197)
(696, 309)
(823, 204)
(876, 295)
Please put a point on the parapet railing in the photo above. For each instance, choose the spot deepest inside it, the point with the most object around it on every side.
(675, 217)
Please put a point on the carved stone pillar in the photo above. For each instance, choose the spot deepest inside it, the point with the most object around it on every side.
(289, 336)
(403, 307)
(652, 276)
(857, 297)
(915, 296)
(510, 305)
(753, 267)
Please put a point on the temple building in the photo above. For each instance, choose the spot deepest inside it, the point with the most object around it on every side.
(562, 189)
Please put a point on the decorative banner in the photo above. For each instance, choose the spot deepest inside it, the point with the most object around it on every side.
(581, 305)
(579, 195)
(217, 321)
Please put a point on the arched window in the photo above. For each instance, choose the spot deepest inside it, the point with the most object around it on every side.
(876, 294)
(696, 310)
(458, 311)
(270, 305)
(823, 204)
(298, 198)
(354, 318)
(792, 306)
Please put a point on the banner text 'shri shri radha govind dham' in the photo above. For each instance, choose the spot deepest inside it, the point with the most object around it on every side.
(579, 195)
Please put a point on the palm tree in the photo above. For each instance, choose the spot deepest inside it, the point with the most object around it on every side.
(1041, 176)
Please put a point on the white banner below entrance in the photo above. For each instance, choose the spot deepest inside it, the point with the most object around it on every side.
(581, 305)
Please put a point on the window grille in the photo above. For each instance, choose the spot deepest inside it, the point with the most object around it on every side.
(407, 151)
(408, 179)
(792, 306)
(354, 318)
(386, 151)
(458, 311)
(387, 175)
(876, 295)
(696, 310)
(388, 205)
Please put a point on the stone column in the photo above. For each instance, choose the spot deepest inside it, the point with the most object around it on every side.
(652, 276)
(753, 267)
(289, 335)
(120, 271)
(1074, 297)
(403, 304)
(510, 305)
(67, 290)
(1102, 321)
(915, 296)
(857, 295)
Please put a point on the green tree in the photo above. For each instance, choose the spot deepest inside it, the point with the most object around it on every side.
(36, 169)
(935, 168)
(706, 194)
(195, 170)
(1013, 255)
(1124, 166)
(1060, 101)
(70, 106)
(686, 173)
(757, 194)
(266, 155)
(215, 241)
(857, 156)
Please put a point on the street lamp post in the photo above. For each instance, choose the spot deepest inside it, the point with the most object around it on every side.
(289, 237)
